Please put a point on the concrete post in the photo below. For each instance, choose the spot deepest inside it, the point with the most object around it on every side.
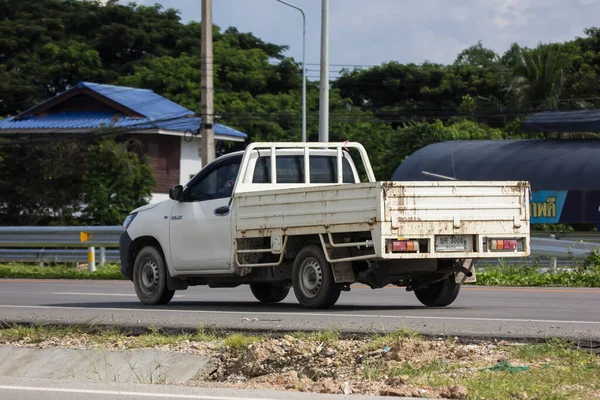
(91, 259)
(102, 256)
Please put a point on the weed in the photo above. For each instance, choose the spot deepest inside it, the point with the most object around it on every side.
(379, 341)
(238, 341)
(327, 336)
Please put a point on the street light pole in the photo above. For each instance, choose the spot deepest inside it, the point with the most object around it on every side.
(324, 95)
(303, 67)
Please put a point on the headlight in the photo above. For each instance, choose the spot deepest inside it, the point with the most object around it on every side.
(128, 220)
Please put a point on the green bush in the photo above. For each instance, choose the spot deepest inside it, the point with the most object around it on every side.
(509, 275)
(115, 182)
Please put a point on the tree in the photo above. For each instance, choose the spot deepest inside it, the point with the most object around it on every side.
(416, 135)
(39, 183)
(477, 56)
(545, 78)
(115, 182)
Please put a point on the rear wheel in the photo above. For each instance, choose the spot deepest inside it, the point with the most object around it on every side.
(268, 293)
(312, 279)
(150, 277)
(439, 294)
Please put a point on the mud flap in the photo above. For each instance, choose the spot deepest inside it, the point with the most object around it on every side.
(462, 278)
(342, 272)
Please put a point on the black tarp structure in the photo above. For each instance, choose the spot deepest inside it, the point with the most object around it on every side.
(564, 174)
(563, 121)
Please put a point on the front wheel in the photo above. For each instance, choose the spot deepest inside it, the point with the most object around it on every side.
(150, 277)
(312, 278)
(268, 293)
(439, 294)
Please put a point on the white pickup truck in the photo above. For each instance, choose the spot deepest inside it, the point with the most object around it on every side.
(258, 218)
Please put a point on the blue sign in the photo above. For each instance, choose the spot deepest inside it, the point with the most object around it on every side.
(547, 206)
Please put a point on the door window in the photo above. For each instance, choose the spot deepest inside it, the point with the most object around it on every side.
(218, 184)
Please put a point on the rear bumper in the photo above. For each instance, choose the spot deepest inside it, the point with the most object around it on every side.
(124, 247)
(477, 248)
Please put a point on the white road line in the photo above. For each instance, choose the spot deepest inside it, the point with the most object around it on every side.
(248, 314)
(130, 394)
(102, 294)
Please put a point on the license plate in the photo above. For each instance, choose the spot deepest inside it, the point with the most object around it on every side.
(451, 243)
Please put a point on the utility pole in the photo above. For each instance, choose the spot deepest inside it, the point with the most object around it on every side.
(207, 90)
(324, 92)
(303, 67)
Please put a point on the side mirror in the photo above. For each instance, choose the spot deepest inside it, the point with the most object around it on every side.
(176, 193)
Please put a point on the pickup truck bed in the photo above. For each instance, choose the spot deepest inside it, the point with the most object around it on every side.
(391, 210)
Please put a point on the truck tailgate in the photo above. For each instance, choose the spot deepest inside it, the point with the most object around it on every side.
(425, 208)
(455, 219)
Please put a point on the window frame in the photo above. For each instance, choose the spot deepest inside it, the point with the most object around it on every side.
(205, 172)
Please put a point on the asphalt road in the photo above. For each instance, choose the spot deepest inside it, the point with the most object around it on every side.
(478, 311)
(34, 389)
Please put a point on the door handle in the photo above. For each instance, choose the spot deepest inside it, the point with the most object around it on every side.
(222, 211)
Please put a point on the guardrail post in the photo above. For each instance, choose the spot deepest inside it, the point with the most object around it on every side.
(102, 256)
(553, 263)
(91, 259)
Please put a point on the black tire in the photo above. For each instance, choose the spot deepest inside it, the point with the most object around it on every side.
(312, 279)
(268, 293)
(439, 294)
(150, 277)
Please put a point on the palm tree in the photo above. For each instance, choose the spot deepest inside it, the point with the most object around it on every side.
(544, 79)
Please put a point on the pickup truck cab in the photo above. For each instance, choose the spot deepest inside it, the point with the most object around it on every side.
(296, 215)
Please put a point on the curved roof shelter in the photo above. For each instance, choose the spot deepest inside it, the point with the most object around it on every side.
(564, 172)
(546, 164)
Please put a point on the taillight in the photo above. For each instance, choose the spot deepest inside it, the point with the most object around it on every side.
(503, 244)
(405, 245)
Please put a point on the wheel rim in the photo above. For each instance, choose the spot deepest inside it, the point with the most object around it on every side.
(149, 277)
(311, 277)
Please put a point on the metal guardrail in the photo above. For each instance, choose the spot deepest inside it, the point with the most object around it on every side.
(58, 236)
(590, 237)
(42, 256)
(41, 244)
(16, 241)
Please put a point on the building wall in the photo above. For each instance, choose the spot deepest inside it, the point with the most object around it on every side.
(173, 161)
(191, 161)
(164, 153)
(158, 197)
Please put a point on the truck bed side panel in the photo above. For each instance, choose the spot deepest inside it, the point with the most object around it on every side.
(320, 209)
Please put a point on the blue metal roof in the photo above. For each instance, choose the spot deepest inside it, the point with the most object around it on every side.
(142, 101)
(96, 120)
(159, 113)
(71, 120)
(193, 124)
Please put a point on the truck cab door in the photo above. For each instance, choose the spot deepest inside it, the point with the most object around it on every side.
(200, 232)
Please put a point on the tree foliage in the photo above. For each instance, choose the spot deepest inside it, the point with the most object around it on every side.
(393, 109)
(39, 184)
(116, 181)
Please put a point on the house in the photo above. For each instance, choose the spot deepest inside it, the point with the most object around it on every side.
(167, 132)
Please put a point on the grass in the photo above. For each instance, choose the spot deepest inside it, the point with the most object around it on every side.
(151, 337)
(510, 275)
(61, 271)
(379, 341)
(556, 371)
(326, 336)
(238, 341)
